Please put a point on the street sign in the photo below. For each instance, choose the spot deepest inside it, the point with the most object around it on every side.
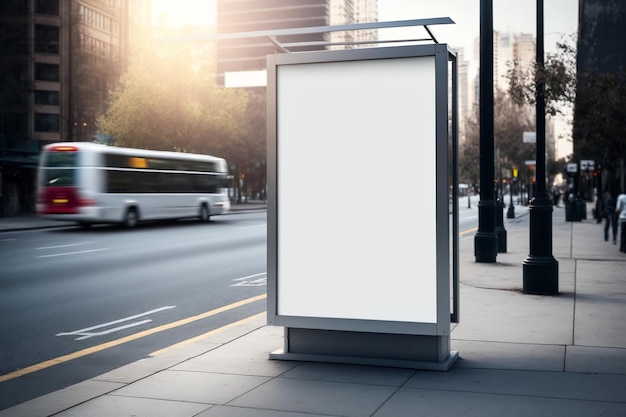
(587, 164)
(572, 168)
(531, 162)
(529, 137)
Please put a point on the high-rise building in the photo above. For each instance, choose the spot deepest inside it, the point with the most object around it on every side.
(344, 12)
(602, 35)
(58, 61)
(601, 48)
(464, 107)
(239, 16)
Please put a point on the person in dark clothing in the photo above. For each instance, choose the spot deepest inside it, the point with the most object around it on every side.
(556, 196)
(610, 217)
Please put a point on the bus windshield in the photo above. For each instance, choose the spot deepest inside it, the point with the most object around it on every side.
(61, 170)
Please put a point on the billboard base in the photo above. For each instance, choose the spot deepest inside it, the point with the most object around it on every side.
(362, 348)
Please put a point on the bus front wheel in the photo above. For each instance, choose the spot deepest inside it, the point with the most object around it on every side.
(205, 215)
(84, 225)
(131, 218)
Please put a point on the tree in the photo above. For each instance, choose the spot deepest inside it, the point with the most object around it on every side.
(510, 122)
(169, 102)
(469, 152)
(599, 101)
(558, 74)
(249, 157)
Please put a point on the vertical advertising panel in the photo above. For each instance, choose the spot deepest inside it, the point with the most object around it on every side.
(358, 235)
(356, 165)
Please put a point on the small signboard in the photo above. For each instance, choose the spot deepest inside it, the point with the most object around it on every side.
(529, 137)
(572, 168)
(531, 162)
(587, 164)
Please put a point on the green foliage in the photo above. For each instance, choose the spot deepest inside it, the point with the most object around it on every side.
(167, 101)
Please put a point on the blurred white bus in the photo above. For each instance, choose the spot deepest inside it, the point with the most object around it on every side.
(92, 183)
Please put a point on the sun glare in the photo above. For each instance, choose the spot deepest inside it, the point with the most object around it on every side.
(178, 13)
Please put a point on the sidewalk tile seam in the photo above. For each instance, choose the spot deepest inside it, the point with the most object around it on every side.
(522, 395)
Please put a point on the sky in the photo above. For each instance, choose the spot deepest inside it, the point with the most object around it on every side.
(509, 16)
(181, 12)
(515, 16)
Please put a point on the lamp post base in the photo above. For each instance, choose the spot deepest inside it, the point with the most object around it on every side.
(485, 247)
(541, 275)
(500, 230)
(510, 213)
(540, 269)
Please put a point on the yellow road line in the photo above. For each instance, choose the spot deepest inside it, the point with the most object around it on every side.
(468, 231)
(205, 335)
(130, 338)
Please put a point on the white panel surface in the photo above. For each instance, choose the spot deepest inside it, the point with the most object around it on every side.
(356, 190)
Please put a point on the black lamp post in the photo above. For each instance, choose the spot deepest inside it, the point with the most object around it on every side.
(510, 214)
(485, 239)
(540, 269)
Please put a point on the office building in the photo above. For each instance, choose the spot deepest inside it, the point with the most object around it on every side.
(58, 61)
(239, 16)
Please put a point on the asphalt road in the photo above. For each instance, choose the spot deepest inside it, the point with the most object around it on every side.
(76, 303)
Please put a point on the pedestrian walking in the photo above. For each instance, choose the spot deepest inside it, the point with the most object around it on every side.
(610, 217)
(556, 195)
(620, 208)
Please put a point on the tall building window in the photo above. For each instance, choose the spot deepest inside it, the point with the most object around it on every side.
(50, 98)
(47, 39)
(50, 7)
(46, 122)
(46, 72)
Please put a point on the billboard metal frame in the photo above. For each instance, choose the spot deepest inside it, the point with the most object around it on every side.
(411, 344)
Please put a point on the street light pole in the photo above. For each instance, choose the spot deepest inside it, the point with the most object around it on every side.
(485, 239)
(510, 214)
(540, 269)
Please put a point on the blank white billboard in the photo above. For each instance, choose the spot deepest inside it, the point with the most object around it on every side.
(356, 187)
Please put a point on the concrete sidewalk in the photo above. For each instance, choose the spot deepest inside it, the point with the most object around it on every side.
(520, 354)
